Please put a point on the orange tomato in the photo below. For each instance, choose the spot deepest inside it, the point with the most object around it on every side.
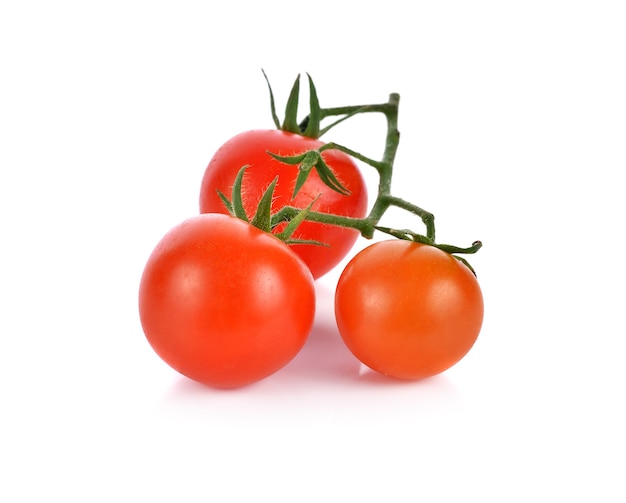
(408, 310)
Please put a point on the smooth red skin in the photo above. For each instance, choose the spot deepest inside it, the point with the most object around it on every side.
(250, 148)
(224, 303)
(408, 310)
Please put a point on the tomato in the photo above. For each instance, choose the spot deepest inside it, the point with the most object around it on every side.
(251, 148)
(225, 303)
(408, 310)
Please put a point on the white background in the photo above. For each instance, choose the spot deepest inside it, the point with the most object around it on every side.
(513, 121)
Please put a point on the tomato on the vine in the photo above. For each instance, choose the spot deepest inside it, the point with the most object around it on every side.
(225, 303)
(408, 310)
(251, 148)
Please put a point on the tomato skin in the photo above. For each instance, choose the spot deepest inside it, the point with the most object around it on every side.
(408, 310)
(225, 303)
(250, 148)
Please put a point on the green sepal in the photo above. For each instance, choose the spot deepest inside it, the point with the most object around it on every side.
(226, 201)
(291, 160)
(263, 216)
(315, 114)
(476, 245)
(237, 202)
(300, 179)
(311, 127)
(307, 161)
(453, 250)
(409, 235)
(293, 224)
(272, 103)
(290, 123)
(329, 178)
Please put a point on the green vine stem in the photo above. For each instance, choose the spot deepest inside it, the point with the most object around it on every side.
(311, 126)
(366, 226)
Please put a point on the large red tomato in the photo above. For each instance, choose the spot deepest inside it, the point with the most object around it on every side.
(408, 310)
(251, 148)
(225, 303)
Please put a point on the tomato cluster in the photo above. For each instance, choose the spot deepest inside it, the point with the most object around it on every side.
(226, 300)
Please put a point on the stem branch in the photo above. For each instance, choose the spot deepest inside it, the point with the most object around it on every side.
(384, 198)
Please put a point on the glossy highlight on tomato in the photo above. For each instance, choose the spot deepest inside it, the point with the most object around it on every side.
(251, 148)
(225, 303)
(408, 310)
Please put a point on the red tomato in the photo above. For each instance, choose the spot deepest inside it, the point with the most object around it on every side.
(250, 148)
(408, 310)
(225, 303)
